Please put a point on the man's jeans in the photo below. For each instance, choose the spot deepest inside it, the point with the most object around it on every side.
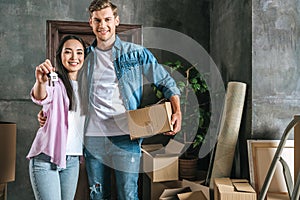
(50, 182)
(119, 153)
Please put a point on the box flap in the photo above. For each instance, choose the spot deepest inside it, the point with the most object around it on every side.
(239, 181)
(152, 147)
(197, 195)
(174, 147)
(243, 187)
(172, 193)
(225, 188)
(223, 181)
(196, 187)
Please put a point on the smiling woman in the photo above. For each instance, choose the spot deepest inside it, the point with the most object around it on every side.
(72, 57)
(54, 154)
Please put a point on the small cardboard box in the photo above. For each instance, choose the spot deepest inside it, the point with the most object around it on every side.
(161, 163)
(188, 191)
(233, 189)
(148, 121)
(8, 134)
(152, 191)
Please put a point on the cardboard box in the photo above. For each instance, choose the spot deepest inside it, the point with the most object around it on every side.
(275, 196)
(233, 189)
(7, 151)
(161, 163)
(188, 191)
(172, 194)
(153, 190)
(149, 121)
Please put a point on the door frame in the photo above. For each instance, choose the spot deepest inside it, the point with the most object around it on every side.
(57, 29)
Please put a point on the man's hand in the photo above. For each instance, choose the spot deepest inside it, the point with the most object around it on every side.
(176, 116)
(41, 118)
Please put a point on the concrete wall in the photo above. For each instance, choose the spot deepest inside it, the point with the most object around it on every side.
(23, 46)
(275, 65)
(257, 42)
(231, 50)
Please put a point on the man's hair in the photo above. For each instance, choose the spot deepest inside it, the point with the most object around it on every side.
(97, 5)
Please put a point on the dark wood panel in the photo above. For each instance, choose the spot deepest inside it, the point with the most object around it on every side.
(58, 29)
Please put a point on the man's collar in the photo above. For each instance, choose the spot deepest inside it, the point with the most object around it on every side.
(117, 43)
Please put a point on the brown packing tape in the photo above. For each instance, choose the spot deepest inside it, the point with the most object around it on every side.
(7, 151)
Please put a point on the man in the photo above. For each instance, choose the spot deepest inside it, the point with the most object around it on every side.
(111, 83)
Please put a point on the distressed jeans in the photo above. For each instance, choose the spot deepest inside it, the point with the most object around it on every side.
(50, 182)
(119, 153)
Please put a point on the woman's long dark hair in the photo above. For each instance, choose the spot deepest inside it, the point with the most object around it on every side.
(63, 72)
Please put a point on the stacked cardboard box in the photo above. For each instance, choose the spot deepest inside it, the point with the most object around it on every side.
(188, 191)
(174, 190)
(233, 189)
(161, 163)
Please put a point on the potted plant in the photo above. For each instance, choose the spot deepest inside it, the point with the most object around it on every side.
(195, 108)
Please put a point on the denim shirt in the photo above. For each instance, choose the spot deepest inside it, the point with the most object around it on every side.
(132, 62)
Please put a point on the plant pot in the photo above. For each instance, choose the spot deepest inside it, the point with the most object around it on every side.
(188, 168)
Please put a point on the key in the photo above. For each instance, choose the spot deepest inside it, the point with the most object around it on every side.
(53, 77)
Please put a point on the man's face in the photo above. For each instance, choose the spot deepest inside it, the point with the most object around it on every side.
(104, 24)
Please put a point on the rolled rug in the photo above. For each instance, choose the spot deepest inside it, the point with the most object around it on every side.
(229, 131)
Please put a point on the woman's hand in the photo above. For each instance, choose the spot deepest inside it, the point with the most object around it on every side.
(42, 70)
(41, 118)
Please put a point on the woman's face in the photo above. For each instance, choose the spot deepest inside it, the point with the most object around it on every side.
(72, 57)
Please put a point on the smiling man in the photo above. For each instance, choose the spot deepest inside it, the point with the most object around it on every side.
(111, 83)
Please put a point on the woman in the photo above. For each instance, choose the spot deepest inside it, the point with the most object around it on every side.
(57, 147)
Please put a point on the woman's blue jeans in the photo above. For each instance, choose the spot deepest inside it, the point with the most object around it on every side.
(50, 182)
(119, 153)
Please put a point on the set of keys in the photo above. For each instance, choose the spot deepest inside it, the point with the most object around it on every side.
(53, 77)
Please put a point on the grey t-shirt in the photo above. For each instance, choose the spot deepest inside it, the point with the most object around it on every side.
(107, 117)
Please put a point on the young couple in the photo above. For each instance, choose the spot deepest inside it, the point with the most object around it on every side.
(95, 85)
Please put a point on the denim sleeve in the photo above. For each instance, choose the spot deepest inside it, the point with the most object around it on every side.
(158, 75)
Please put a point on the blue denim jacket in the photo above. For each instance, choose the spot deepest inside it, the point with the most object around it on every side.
(132, 62)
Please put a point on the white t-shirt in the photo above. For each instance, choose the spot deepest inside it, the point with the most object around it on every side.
(107, 117)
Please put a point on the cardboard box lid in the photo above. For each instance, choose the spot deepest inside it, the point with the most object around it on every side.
(189, 190)
(152, 147)
(243, 187)
(223, 181)
(149, 121)
(197, 195)
(169, 194)
(225, 188)
(173, 148)
(195, 187)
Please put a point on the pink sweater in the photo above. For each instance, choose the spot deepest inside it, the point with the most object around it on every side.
(51, 139)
